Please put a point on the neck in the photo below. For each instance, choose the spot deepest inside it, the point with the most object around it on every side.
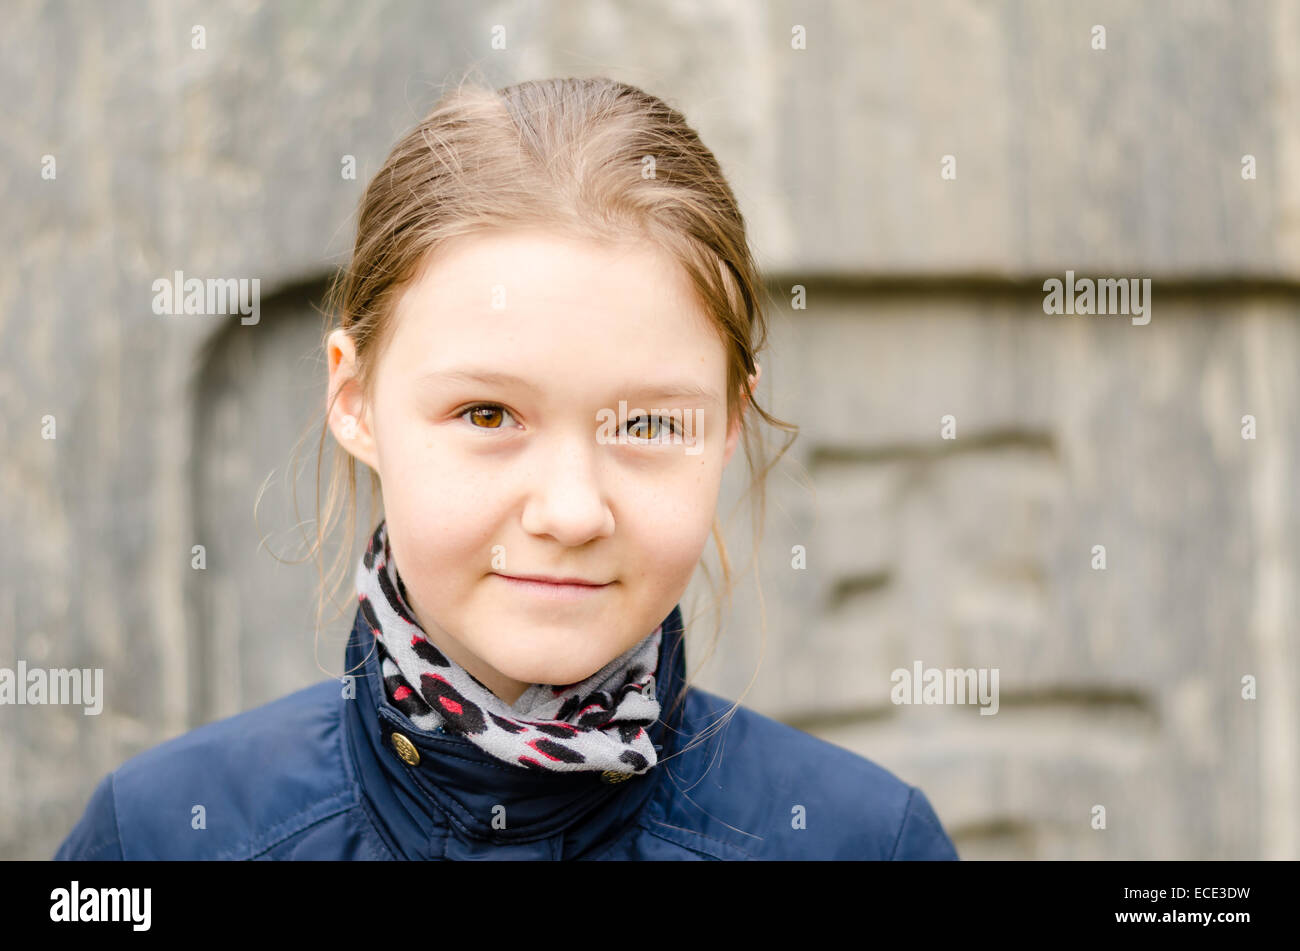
(505, 688)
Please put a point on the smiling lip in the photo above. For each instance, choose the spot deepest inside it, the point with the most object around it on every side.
(554, 589)
(544, 579)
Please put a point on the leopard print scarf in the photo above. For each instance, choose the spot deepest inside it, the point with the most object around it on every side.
(596, 724)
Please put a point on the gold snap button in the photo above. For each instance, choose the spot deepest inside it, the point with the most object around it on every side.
(614, 776)
(406, 750)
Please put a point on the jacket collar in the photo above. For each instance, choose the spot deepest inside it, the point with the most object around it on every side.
(458, 801)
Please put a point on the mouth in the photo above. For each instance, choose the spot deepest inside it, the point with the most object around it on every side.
(555, 589)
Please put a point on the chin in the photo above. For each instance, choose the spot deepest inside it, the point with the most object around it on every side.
(548, 669)
(553, 673)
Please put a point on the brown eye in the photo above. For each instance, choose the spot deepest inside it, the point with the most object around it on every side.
(643, 422)
(485, 416)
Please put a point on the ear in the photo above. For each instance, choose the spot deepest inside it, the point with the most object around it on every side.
(733, 434)
(349, 418)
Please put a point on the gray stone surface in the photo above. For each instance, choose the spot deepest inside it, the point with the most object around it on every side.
(1118, 687)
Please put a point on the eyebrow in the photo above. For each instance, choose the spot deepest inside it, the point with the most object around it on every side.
(668, 390)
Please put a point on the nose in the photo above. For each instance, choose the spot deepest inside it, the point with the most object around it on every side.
(566, 498)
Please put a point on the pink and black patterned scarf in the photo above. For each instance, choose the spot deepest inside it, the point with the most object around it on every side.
(596, 724)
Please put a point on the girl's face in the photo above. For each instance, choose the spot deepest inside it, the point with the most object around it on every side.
(520, 427)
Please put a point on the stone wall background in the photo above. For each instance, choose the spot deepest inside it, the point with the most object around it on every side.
(1119, 687)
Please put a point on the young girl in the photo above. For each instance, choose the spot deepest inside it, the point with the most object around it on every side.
(546, 358)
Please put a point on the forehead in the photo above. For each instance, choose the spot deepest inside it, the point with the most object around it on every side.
(541, 264)
(534, 295)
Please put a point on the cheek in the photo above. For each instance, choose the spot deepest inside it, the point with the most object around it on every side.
(670, 524)
(446, 522)
(448, 533)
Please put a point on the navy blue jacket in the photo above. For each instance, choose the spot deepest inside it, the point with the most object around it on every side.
(317, 775)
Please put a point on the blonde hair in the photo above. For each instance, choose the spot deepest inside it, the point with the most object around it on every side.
(568, 155)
